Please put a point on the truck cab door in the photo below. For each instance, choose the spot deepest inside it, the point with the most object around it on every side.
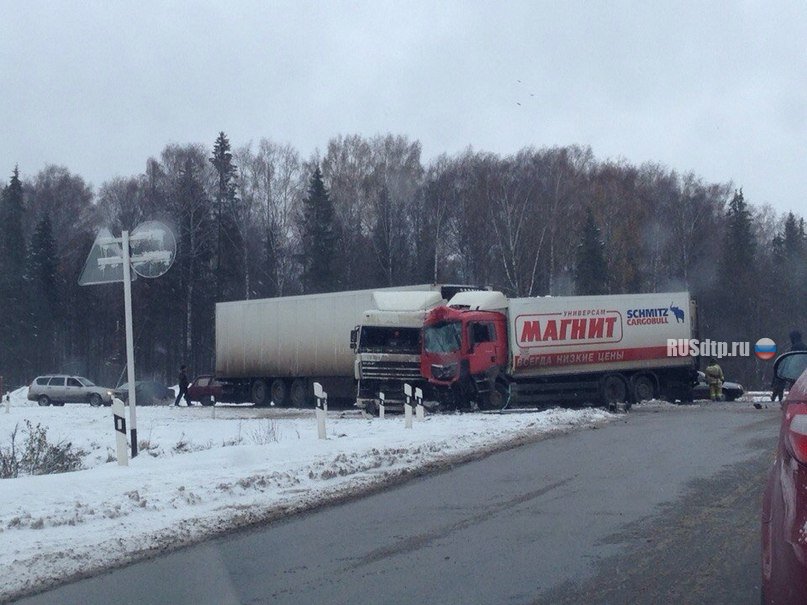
(484, 350)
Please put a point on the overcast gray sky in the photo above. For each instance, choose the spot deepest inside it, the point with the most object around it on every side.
(718, 88)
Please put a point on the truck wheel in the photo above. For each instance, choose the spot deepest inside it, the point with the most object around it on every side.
(301, 393)
(614, 390)
(644, 389)
(260, 392)
(280, 392)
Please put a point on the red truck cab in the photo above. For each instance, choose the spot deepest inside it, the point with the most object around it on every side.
(465, 349)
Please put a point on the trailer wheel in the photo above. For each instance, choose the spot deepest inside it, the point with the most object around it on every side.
(644, 388)
(280, 392)
(301, 393)
(614, 390)
(260, 392)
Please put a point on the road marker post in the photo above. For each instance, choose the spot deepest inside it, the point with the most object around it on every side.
(419, 411)
(408, 406)
(381, 405)
(321, 410)
(119, 417)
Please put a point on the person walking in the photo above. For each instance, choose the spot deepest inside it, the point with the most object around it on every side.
(714, 378)
(183, 387)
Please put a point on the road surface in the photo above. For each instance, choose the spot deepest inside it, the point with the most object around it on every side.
(659, 507)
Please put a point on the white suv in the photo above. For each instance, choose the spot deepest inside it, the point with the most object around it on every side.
(59, 389)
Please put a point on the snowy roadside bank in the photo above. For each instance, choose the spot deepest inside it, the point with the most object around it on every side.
(201, 475)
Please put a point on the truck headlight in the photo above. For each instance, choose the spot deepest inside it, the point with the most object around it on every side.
(444, 372)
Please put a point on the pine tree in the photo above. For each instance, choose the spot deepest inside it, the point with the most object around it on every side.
(591, 270)
(319, 236)
(13, 324)
(44, 295)
(734, 306)
(227, 246)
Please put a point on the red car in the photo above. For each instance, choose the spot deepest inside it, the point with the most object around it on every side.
(206, 390)
(784, 507)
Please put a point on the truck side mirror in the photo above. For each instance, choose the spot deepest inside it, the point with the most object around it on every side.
(354, 337)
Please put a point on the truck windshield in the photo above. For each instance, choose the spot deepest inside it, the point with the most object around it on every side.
(383, 339)
(443, 337)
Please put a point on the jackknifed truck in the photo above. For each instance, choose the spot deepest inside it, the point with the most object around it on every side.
(387, 345)
(485, 350)
(272, 350)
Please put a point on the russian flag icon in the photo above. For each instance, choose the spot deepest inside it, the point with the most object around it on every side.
(765, 348)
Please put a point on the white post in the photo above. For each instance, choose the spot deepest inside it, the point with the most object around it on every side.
(119, 416)
(381, 406)
(8, 404)
(321, 410)
(130, 369)
(419, 407)
(408, 406)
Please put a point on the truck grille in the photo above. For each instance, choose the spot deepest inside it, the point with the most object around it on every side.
(407, 370)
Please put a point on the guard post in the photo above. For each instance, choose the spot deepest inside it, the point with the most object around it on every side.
(322, 408)
(381, 405)
(408, 405)
(119, 416)
(419, 406)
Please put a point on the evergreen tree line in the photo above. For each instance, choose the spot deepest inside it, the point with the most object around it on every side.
(261, 220)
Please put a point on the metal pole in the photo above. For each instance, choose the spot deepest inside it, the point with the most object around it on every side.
(130, 369)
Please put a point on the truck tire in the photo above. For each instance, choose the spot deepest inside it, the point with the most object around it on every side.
(280, 392)
(644, 387)
(613, 390)
(260, 392)
(301, 394)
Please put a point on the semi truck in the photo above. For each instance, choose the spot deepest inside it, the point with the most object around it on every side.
(388, 344)
(274, 349)
(489, 351)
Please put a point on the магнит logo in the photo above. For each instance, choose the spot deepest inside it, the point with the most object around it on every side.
(765, 348)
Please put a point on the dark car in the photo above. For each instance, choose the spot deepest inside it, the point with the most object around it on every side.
(784, 504)
(206, 390)
(147, 392)
(731, 390)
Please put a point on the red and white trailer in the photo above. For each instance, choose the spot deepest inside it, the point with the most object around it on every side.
(486, 349)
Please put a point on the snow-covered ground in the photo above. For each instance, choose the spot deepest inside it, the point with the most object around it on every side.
(206, 470)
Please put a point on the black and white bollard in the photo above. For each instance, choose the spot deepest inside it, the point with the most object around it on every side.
(419, 407)
(119, 416)
(408, 406)
(322, 409)
(381, 405)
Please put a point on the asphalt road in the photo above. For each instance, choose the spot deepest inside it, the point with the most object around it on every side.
(661, 507)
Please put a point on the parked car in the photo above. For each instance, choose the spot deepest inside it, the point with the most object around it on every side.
(147, 392)
(206, 390)
(59, 389)
(784, 503)
(731, 390)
